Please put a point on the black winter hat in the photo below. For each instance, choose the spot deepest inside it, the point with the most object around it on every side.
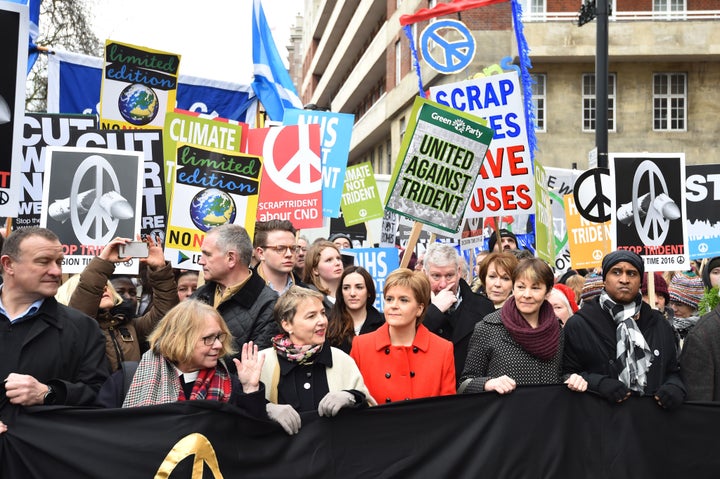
(503, 234)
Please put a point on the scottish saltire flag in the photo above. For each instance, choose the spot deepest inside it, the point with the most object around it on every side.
(272, 83)
(33, 29)
(74, 87)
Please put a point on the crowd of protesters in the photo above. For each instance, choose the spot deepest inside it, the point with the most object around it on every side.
(277, 326)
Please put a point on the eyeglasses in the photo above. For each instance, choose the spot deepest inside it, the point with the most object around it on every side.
(210, 340)
(281, 249)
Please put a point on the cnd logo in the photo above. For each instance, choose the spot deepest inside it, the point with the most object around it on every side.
(192, 444)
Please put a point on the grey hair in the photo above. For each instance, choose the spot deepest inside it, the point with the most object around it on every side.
(441, 254)
(233, 237)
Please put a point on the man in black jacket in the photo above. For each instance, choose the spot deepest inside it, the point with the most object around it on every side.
(454, 308)
(49, 353)
(619, 344)
(242, 298)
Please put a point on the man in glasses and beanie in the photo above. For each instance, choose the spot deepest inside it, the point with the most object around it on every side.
(619, 344)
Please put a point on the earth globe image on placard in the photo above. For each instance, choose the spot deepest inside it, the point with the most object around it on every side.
(138, 104)
(212, 207)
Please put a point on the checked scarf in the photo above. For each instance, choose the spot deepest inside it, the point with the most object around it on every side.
(633, 352)
(156, 381)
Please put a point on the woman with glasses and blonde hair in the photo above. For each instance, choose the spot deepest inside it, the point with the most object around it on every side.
(185, 363)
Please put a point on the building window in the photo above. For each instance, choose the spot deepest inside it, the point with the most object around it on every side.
(588, 102)
(398, 62)
(669, 101)
(538, 98)
(669, 7)
(533, 8)
(387, 167)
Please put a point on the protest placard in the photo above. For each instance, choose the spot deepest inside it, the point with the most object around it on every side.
(558, 183)
(183, 127)
(150, 144)
(648, 208)
(587, 241)
(210, 188)
(439, 159)
(544, 237)
(42, 130)
(13, 58)
(139, 86)
(291, 187)
(505, 184)
(335, 136)
(360, 198)
(92, 195)
(702, 193)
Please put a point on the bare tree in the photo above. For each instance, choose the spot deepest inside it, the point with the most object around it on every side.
(64, 24)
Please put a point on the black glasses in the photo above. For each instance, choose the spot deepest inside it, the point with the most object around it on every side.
(210, 340)
(281, 249)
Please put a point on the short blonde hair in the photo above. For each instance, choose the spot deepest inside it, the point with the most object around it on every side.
(178, 332)
(288, 302)
(416, 281)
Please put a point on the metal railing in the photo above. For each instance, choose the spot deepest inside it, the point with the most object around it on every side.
(623, 16)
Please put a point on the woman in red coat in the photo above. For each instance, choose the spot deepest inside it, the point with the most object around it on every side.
(402, 359)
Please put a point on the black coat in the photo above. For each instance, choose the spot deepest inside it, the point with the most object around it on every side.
(457, 327)
(248, 313)
(61, 347)
(373, 320)
(590, 347)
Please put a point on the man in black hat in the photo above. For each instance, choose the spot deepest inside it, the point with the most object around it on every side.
(508, 241)
(619, 344)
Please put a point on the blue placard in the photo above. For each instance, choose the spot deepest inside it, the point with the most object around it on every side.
(379, 262)
(702, 190)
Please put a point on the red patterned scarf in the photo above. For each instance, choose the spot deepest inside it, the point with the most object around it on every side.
(212, 384)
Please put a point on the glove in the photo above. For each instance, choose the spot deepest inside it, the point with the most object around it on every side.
(613, 390)
(333, 401)
(669, 396)
(285, 415)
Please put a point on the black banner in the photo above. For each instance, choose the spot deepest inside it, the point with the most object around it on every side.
(538, 432)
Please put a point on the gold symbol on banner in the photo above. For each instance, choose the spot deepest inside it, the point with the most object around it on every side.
(192, 444)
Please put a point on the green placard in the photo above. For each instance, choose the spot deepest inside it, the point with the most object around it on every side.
(360, 197)
(544, 236)
(439, 160)
(187, 129)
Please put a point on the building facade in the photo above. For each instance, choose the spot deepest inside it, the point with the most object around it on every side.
(664, 63)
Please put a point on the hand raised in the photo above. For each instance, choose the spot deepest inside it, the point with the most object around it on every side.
(249, 367)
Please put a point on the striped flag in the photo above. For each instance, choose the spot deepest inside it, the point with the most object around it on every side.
(272, 83)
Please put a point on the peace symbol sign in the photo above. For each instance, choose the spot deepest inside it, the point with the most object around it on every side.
(590, 201)
(456, 55)
(303, 161)
(654, 227)
(98, 226)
